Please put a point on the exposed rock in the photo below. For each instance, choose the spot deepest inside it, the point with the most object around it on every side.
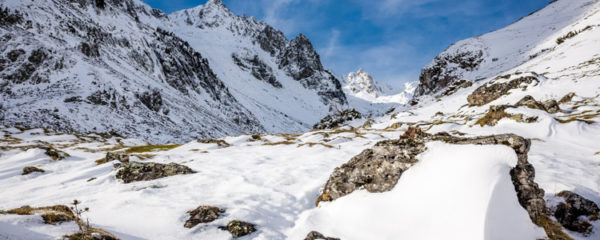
(378, 169)
(492, 91)
(15, 54)
(152, 100)
(576, 212)
(455, 86)
(120, 156)
(271, 40)
(55, 154)
(496, 113)
(239, 228)
(9, 17)
(90, 50)
(314, 235)
(336, 120)
(550, 106)
(446, 69)
(203, 214)
(75, 99)
(300, 61)
(137, 171)
(567, 98)
(259, 69)
(28, 170)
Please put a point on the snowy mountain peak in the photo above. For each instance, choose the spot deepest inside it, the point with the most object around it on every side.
(362, 81)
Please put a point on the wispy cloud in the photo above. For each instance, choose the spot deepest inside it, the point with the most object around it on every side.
(333, 43)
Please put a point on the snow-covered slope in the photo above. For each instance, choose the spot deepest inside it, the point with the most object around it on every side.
(122, 67)
(447, 191)
(530, 39)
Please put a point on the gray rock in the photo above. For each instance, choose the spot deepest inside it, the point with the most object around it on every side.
(120, 156)
(576, 212)
(378, 169)
(336, 120)
(314, 235)
(550, 106)
(203, 214)
(446, 69)
(567, 98)
(136, 171)
(28, 170)
(239, 228)
(492, 91)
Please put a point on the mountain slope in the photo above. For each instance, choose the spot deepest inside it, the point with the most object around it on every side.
(491, 54)
(122, 67)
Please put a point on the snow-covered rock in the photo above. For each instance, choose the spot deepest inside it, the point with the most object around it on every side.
(123, 67)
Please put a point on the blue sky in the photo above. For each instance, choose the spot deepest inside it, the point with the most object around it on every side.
(391, 39)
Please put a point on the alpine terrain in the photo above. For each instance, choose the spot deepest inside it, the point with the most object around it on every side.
(121, 122)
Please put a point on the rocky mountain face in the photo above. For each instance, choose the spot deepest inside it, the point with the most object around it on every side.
(529, 39)
(120, 66)
(361, 81)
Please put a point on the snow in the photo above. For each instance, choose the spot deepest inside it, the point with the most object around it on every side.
(454, 192)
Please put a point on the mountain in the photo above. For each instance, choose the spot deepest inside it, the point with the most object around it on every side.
(488, 149)
(530, 40)
(361, 84)
(120, 66)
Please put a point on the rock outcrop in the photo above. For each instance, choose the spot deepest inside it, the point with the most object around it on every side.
(550, 106)
(576, 212)
(379, 168)
(137, 171)
(120, 156)
(494, 90)
(203, 214)
(239, 228)
(28, 170)
(336, 120)
(314, 235)
(446, 69)
(497, 113)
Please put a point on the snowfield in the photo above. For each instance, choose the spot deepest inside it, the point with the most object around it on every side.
(274, 180)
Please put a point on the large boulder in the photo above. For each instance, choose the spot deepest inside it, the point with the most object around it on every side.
(576, 212)
(494, 90)
(137, 171)
(203, 214)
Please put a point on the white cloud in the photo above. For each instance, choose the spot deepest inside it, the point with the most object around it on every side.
(332, 44)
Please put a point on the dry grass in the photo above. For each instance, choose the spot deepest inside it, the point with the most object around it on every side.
(552, 228)
(279, 143)
(219, 142)
(151, 148)
(582, 117)
(312, 144)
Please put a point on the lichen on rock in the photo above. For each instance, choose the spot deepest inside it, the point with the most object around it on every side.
(137, 171)
(203, 214)
(239, 228)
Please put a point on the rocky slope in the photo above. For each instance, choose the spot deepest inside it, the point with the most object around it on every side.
(513, 155)
(123, 67)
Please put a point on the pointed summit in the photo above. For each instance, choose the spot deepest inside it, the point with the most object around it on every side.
(215, 3)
